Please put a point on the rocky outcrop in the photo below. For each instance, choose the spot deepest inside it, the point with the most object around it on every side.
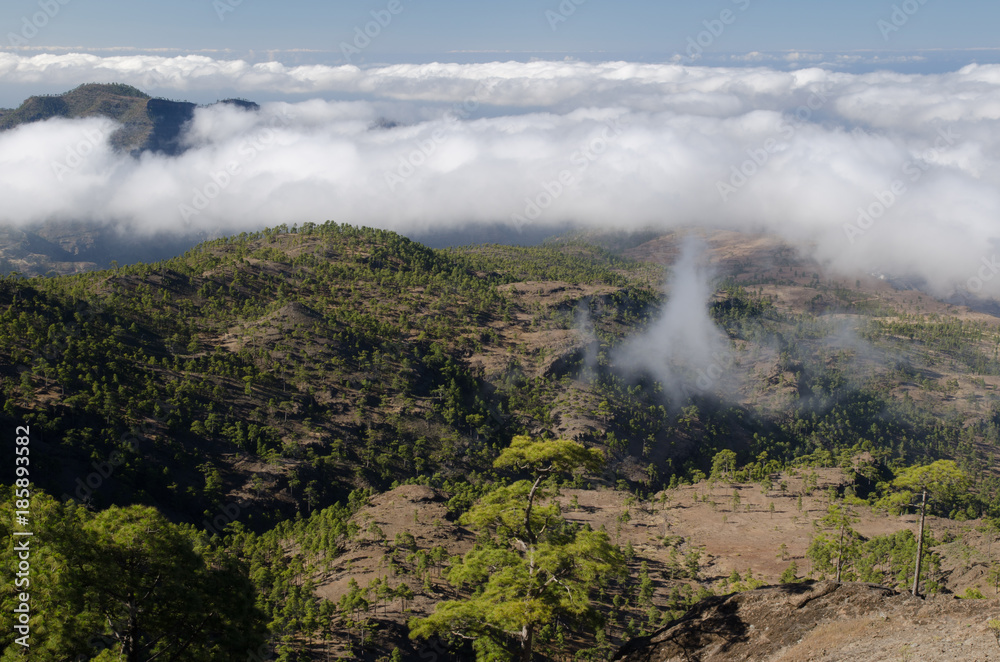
(823, 621)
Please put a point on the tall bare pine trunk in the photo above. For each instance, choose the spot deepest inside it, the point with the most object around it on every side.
(920, 544)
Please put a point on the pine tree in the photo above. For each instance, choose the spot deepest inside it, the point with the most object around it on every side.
(531, 567)
(940, 480)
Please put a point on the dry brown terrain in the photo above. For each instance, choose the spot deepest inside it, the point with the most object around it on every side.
(825, 622)
(745, 538)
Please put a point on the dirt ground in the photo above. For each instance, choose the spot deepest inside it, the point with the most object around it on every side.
(748, 537)
(825, 622)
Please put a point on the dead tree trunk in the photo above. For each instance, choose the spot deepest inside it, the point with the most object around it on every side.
(920, 544)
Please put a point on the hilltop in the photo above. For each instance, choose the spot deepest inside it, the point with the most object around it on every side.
(147, 123)
(271, 356)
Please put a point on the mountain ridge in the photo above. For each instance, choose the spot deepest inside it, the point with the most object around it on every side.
(147, 123)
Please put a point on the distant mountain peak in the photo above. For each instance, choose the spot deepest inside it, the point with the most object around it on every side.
(245, 104)
(147, 123)
(115, 89)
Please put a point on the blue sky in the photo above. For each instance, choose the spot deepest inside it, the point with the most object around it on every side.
(450, 29)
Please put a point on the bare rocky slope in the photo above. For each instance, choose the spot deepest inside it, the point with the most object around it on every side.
(823, 621)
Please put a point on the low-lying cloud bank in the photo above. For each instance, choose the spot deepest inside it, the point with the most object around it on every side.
(875, 171)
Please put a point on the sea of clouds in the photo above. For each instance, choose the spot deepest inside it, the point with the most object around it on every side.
(887, 171)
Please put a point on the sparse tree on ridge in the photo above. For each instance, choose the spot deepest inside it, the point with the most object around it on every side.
(941, 480)
(532, 567)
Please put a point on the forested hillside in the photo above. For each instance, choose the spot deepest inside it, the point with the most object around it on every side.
(293, 409)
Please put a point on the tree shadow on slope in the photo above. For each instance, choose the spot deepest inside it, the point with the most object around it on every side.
(713, 621)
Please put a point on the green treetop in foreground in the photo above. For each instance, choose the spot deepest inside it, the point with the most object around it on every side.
(531, 566)
(127, 584)
(941, 480)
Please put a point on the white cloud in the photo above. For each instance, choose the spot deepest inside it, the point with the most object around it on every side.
(683, 348)
(596, 144)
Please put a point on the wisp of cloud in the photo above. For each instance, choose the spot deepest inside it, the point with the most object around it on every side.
(683, 348)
